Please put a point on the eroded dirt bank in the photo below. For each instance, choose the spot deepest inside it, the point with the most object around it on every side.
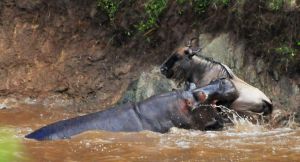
(67, 52)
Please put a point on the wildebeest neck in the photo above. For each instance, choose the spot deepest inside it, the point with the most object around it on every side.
(203, 71)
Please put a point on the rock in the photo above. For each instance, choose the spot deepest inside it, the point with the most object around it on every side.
(251, 76)
(3, 106)
(222, 49)
(288, 86)
(205, 39)
(218, 49)
(130, 94)
(147, 85)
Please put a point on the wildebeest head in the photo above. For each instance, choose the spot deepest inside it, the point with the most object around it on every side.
(188, 66)
(179, 61)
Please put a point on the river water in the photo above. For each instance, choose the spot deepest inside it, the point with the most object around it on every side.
(243, 142)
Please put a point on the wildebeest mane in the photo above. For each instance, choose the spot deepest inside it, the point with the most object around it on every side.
(211, 62)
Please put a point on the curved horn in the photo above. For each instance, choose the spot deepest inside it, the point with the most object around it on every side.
(197, 50)
(189, 44)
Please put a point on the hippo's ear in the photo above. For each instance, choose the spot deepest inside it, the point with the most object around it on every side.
(200, 96)
(192, 105)
(189, 103)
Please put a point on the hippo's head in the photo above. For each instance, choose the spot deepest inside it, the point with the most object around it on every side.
(221, 91)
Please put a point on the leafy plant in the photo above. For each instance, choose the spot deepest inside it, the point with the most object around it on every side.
(286, 51)
(181, 2)
(275, 5)
(221, 2)
(154, 9)
(286, 57)
(110, 7)
(200, 6)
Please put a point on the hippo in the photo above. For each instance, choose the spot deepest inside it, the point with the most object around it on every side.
(159, 113)
(187, 66)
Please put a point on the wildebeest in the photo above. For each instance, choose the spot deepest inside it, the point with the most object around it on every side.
(186, 65)
(158, 113)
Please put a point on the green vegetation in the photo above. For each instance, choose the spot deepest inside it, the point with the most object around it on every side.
(180, 2)
(287, 56)
(201, 6)
(286, 51)
(261, 31)
(154, 9)
(221, 2)
(275, 5)
(9, 145)
(110, 7)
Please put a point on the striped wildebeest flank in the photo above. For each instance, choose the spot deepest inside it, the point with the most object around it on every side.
(158, 113)
(186, 65)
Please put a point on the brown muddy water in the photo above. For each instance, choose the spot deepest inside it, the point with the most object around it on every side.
(243, 142)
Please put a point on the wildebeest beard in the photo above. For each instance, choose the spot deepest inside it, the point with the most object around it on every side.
(182, 72)
(180, 75)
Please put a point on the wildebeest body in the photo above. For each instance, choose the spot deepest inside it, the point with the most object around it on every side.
(185, 66)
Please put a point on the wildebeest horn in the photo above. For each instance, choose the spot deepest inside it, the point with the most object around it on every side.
(189, 44)
(198, 50)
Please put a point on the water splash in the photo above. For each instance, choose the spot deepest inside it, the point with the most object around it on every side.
(243, 124)
(291, 121)
(283, 119)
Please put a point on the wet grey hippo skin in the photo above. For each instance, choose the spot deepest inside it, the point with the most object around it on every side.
(158, 113)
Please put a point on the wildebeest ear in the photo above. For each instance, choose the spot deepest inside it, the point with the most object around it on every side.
(191, 42)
